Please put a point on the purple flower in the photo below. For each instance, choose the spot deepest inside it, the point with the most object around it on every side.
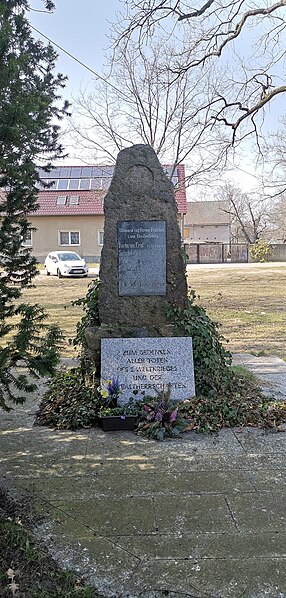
(173, 415)
(113, 387)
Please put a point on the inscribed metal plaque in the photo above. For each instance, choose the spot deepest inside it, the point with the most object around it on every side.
(147, 365)
(142, 257)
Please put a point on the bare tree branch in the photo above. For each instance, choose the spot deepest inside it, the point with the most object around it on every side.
(249, 213)
(140, 103)
(231, 31)
(196, 13)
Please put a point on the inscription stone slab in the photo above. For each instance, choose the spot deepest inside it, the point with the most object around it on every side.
(141, 257)
(148, 364)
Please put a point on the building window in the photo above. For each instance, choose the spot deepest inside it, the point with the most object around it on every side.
(28, 241)
(67, 237)
(61, 200)
(74, 200)
(100, 237)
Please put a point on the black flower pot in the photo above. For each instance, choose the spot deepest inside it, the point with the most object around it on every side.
(111, 423)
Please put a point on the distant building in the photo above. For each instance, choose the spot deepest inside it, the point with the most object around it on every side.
(207, 222)
(71, 215)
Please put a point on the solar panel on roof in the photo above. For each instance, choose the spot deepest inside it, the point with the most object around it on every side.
(108, 171)
(84, 184)
(86, 172)
(74, 183)
(64, 173)
(102, 171)
(41, 185)
(106, 183)
(75, 172)
(96, 183)
(48, 175)
(63, 184)
(54, 174)
(96, 171)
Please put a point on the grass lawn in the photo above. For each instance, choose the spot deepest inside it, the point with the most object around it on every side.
(249, 301)
(56, 295)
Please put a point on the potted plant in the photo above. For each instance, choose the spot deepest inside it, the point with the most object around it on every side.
(111, 416)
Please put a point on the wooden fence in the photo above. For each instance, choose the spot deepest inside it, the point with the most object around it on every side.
(217, 253)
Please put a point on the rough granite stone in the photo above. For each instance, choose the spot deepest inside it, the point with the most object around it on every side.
(140, 192)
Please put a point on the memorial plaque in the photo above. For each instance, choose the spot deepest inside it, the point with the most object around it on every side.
(142, 257)
(149, 364)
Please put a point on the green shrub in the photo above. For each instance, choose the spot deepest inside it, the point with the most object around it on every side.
(260, 251)
(90, 317)
(74, 401)
(71, 401)
(243, 404)
(211, 359)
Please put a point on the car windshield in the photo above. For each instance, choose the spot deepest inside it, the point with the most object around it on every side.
(63, 257)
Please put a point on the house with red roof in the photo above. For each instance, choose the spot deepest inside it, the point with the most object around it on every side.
(70, 214)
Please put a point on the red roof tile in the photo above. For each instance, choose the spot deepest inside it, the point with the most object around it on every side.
(90, 203)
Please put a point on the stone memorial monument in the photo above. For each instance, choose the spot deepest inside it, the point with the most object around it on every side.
(142, 271)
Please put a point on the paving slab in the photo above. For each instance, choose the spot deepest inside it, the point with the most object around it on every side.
(193, 514)
(206, 545)
(265, 441)
(198, 517)
(209, 578)
(113, 516)
(270, 370)
(264, 511)
(140, 484)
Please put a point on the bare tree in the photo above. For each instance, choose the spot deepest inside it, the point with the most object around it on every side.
(275, 162)
(276, 230)
(247, 37)
(249, 214)
(140, 102)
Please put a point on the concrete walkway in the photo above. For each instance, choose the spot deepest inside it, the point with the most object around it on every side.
(200, 517)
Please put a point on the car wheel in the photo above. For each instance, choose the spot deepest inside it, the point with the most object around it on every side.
(59, 273)
(47, 272)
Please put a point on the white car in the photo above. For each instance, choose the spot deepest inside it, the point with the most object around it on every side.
(65, 263)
